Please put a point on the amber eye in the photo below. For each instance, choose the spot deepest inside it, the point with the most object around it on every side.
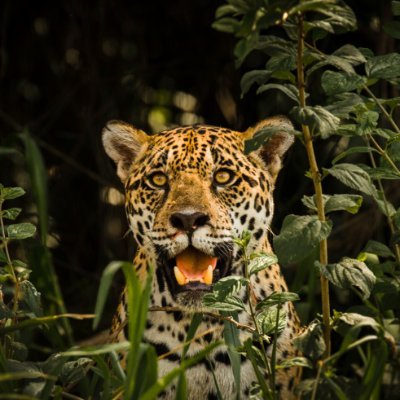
(158, 179)
(223, 177)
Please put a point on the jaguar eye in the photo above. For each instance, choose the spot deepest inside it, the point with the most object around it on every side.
(158, 179)
(223, 177)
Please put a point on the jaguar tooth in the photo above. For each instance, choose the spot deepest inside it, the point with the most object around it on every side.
(180, 278)
(208, 276)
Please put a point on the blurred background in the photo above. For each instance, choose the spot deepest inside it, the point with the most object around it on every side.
(69, 66)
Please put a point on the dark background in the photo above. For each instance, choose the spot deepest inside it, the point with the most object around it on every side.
(67, 67)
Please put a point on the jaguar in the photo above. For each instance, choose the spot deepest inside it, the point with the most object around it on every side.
(190, 191)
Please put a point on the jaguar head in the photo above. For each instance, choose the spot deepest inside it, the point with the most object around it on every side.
(191, 190)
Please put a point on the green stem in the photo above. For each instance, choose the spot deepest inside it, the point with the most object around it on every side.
(316, 178)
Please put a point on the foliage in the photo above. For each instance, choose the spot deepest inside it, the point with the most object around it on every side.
(332, 96)
(288, 33)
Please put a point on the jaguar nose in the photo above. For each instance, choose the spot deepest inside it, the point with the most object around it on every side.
(188, 222)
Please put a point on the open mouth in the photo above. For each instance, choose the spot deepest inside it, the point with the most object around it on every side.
(193, 270)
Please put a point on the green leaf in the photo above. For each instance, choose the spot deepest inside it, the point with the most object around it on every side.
(31, 298)
(342, 105)
(351, 54)
(251, 77)
(354, 150)
(392, 28)
(228, 304)
(295, 362)
(164, 381)
(267, 320)
(290, 90)
(232, 340)
(73, 371)
(347, 202)
(261, 261)
(338, 82)
(105, 284)
(282, 62)
(277, 298)
(353, 176)
(382, 173)
(384, 67)
(9, 193)
(338, 202)
(396, 217)
(11, 213)
(317, 118)
(226, 24)
(367, 121)
(21, 231)
(251, 353)
(3, 257)
(311, 342)
(349, 273)
(224, 10)
(229, 285)
(38, 176)
(299, 236)
(96, 350)
(359, 320)
(378, 248)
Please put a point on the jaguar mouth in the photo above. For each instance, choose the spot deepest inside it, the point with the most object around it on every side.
(193, 270)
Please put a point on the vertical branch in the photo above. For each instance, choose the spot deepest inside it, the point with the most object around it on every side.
(316, 178)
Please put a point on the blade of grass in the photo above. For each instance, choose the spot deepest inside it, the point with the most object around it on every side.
(163, 382)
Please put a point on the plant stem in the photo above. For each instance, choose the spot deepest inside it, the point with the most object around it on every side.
(383, 109)
(316, 177)
(380, 185)
(9, 262)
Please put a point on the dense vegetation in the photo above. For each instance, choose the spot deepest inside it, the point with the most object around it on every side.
(337, 209)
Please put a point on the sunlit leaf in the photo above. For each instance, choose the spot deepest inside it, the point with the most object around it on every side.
(9, 193)
(21, 231)
(261, 261)
(11, 213)
(378, 248)
(270, 322)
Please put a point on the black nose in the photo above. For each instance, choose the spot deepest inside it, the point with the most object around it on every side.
(188, 222)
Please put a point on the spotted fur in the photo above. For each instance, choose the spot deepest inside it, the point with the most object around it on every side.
(189, 158)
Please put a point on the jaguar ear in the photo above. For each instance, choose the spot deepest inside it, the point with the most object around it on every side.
(123, 142)
(276, 136)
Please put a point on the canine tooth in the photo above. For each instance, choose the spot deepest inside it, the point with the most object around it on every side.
(208, 276)
(180, 278)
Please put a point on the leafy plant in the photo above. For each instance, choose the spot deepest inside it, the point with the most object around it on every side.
(288, 34)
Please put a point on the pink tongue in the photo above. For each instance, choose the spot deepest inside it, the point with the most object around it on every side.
(194, 263)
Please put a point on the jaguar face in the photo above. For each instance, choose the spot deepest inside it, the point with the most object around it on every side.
(190, 191)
